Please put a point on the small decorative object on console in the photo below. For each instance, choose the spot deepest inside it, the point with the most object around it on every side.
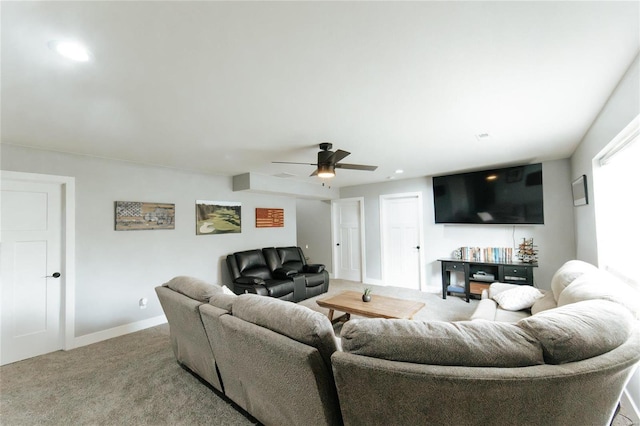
(457, 253)
(527, 252)
(366, 297)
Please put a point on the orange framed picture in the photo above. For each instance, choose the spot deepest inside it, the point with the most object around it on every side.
(269, 218)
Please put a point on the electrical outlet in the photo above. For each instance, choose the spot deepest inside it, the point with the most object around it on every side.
(143, 303)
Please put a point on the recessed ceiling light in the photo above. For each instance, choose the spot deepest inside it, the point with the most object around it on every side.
(70, 49)
(399, 171)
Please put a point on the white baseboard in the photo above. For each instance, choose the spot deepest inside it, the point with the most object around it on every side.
(121, 330)
(373, 281)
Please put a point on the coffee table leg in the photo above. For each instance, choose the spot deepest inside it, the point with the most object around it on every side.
(342, 318)
(330, 314)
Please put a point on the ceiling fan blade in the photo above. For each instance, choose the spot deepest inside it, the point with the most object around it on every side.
(337, 156)
(292, 162)
(315, 173)
(355, 167)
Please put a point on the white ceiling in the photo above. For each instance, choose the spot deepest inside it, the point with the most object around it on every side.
(228, 87)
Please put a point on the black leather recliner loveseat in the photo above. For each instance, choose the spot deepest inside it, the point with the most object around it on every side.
(280, 272)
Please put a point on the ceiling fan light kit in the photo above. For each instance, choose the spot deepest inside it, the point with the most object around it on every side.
(328, 162)
(326, 171)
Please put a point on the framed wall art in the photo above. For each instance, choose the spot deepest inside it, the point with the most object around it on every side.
(269, 218)
(579, 189)
(137, 215)
(218, 217)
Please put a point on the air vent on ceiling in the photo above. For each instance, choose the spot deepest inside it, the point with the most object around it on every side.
(284, 175)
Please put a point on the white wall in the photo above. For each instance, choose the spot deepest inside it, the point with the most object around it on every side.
(620, 109)
(622, 106)
(314, 231)
(555, 239)
(117, 268)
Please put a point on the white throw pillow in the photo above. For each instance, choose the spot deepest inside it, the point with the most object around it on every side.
(516, 299)
(227, 290)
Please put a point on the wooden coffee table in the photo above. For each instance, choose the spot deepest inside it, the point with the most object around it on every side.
(350, 302)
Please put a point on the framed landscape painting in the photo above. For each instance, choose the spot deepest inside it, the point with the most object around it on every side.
(218, 217)
(136, 216)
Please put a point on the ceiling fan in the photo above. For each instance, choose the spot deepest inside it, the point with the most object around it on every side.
(328, 161)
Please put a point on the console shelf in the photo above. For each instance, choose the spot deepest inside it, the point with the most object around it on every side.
(505, 272)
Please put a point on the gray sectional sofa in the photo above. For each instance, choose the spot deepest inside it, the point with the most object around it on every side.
(566, 364)
(271, 357)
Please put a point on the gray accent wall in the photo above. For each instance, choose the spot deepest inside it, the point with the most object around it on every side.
(117, 268)
(314, 231)
(555, 239)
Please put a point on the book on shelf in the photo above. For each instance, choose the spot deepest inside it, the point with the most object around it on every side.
(487, 254)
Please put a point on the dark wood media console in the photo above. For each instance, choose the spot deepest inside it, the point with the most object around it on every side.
(507, 272)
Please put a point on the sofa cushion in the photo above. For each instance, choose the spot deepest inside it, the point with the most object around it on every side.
(223, 301)
(315, 268)
(502, 315)
(544, 303)
(476, 343)
(486, 310)
(279, 288)
(519, 298)
(294, 321)
(580, 330)
(193, 288)
(313, 280)
(249, 281)
(567, 273)
(600, 284)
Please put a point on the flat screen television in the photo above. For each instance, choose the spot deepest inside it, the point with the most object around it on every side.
(511, 195)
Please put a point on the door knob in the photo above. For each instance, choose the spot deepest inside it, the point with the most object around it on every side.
(54, 275)
(418, 247)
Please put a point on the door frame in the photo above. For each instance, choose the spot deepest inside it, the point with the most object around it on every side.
(335, 233)
(383, 248)
(68, 249)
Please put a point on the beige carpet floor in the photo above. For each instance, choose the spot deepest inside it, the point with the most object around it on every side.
(135, 380)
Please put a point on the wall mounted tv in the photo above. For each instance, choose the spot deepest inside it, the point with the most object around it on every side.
(510, 195)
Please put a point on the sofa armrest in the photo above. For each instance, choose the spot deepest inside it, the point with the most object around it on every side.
(314, 268)
(254, 285)
(259, 289)
(284, 273)
(486, 310)
(249, 281)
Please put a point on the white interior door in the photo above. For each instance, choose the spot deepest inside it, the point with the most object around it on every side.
(347, 239)
(30, 255)
(401, 228)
